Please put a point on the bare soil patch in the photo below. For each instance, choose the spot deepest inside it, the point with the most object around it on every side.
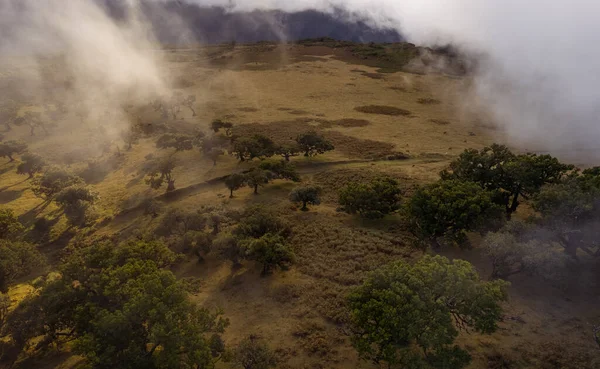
(428, 101)
(382, 109)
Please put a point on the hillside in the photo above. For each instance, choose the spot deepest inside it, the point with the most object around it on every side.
(393, 110)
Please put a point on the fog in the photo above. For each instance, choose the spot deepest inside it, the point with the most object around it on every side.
(538, 65)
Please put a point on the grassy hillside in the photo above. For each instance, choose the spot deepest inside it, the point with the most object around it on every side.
(386, 109)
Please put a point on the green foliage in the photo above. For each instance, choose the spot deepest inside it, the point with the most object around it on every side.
(160, 172)
(257, 177)
(306, 195)
(31, 164)
(280, 170)
(76, 201)
(571, 209)
(312, 144)
(234, 182)
(497, 169)
(214, 154)
(52, 181)
(121, 310)
(288, 150)
(257, 222)
(227, 246)
(402, 307)
(9, 111)
(179, 142)
(270, 250)
(10, 148)
(17, 259)
(253, 353)
(451, 208)
(257, 146)
(130, 136)
(371, 200)
(10, 226)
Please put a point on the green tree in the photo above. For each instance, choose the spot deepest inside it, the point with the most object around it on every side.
(288, 150)
(371, 200)
(270, 250)
(160, 172)
(257, 221)
(179, 142)
(234, 182)
(228, 246)
(31, 164)
(571, 211)
(130, 136)
(450, 209)
(256, 177)
(76, 202)
(402, 307)
(10, 226)
(33, 120)
(312, 144)
(17, 259)
(53, 180)
(10, 148)
(257, 146)
(306, 195)
(120, 309)
(253, 353)
(280, 170)
(510, 176)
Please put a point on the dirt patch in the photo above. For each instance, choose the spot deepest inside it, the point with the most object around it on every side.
(440, 122)
(298, 112)
(248, 110)
(398, 88)
(359, 148)
(428, 101)
(382, 109)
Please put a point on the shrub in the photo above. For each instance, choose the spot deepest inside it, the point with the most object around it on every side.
(10, 226)
(253, 353)
(31, 164)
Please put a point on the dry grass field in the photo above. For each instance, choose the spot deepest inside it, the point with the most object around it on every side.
(370, 115)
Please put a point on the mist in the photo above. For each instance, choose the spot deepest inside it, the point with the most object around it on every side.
(537, 70)
(538, 64)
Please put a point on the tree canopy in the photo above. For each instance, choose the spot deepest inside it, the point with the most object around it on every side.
(17, 259)
(10, 226)
(372, 200)
(306, 195)
(120, 309)
(160, 172)
(311, 143)
(10, 148)
(451, 208)
(31, 164)
(257, 146)
(53, 180)
(401, 307)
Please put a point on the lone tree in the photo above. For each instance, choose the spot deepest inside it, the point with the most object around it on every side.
(257, 177)
(214, 154)
(401, 307)
(371, 200)
(257, 146)
(17, 259)
(31, 164)
(253, 353)
(234, 182)
(217, 124)
(130, 136)
(10, 148)
(10, 226)
(75, 201)
(306, 195)
(188, 102)
(179, 142)
(312, 144)
(162, 171)
(270, 250)
(53, 180)
(510, 176)
(288, 150)
(120, 308)
(449, 209)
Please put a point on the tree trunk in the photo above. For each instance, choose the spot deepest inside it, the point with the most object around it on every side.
(287, 157)
(32, 130)
(193, 111)
(231, 193)
(8, 127)
(515, 202)
(304, 208)
(10, 157)
(256, 189)
(214, 162)
(171, 185)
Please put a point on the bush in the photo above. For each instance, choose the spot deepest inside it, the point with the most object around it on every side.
(253, 353)
(371, 200)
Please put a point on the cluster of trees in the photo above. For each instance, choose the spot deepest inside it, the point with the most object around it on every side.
(170, 107)
(259, 146)
(9, 115)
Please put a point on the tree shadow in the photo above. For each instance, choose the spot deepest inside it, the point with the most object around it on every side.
(30, 215)
(8, 196)
(12, 185)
